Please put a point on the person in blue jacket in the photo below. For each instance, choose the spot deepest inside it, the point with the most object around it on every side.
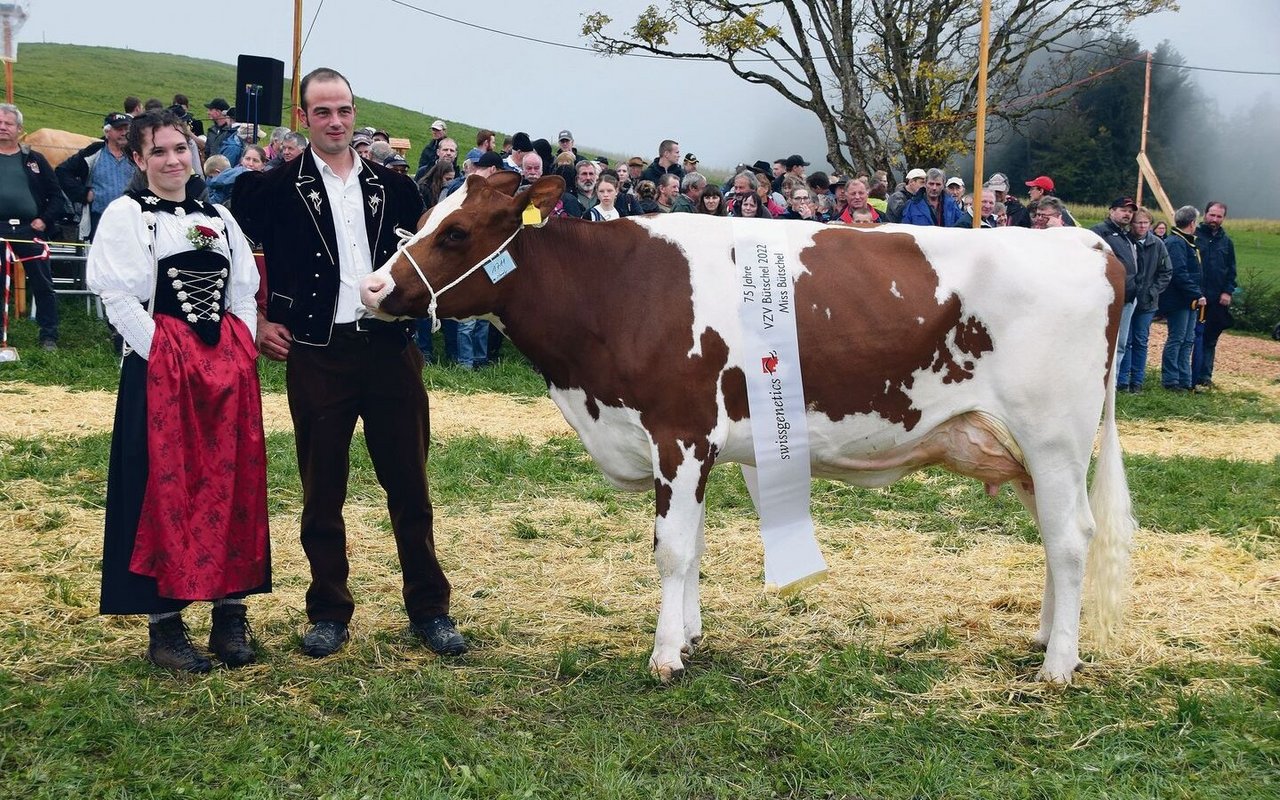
(932, 206)
(1182, 301)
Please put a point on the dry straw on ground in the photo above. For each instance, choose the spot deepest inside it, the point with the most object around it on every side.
(28, 410)
(542, 576)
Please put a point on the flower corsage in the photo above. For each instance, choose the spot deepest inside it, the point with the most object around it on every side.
(203, 237)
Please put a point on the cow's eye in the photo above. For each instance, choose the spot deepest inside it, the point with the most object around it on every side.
(455, 234)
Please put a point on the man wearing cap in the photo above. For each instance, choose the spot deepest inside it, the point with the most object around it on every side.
(955, 188)
(30, 204)
(396, 163)
(667, 163)
(1114, 230)
(1042, 187)
(795, 165)
(903, 194)
(521, 146)
(839, 198)
(566, 144)
(100, 172)
(325, 220)
(483, 164)
(1015, 212)
(690, 163)
(220, 128)
(363, 144)
(635, 167)
(933, 206)
(427, 159)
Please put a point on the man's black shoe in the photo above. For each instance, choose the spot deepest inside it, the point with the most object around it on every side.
(441, 635)
(230, 638)
(325, 638)
(171, 647)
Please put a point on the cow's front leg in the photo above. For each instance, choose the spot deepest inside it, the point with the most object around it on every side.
(678, 545)
(693, 588)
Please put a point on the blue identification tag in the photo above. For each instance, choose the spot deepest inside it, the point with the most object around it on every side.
(500, 267)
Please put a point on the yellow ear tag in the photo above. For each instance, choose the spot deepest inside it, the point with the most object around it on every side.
(531, 216)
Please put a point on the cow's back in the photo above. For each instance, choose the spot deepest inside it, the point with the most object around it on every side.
(902, 328)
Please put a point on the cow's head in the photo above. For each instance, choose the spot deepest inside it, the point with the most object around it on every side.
(439, 270)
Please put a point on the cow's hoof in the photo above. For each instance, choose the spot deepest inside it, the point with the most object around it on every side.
(1060, 678)
(690, 646)
(666, 673)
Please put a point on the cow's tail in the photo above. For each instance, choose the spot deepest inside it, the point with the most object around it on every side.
(1108, 565)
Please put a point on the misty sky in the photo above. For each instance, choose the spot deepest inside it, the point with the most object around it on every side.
(398, 55)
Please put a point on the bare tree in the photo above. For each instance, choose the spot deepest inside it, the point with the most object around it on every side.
(893, 83)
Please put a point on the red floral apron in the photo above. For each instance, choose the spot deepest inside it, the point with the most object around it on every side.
(203, 532)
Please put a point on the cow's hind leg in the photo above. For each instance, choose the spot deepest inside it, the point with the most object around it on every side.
(1041, 640)
(678, 545)
(1066, 525)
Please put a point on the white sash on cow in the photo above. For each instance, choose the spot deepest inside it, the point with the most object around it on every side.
(775, 396)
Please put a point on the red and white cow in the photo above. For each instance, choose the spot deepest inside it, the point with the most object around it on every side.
(987, 352)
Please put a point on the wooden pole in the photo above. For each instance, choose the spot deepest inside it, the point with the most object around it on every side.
(980, 133)
(8, 62)
(1146, 116)
(297, 63)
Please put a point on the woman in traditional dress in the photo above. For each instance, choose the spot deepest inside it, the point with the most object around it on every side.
(186, 514)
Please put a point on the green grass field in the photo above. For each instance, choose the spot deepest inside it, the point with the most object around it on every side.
(907, 674)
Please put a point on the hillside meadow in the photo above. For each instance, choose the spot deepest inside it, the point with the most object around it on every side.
(71, 87)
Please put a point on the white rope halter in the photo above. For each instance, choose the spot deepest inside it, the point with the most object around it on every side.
(403, 249)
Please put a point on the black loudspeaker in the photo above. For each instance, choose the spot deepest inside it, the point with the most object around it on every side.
(259, 89)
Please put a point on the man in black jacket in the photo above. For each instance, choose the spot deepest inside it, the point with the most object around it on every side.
(1218, 259)
(30, 204)
(1114, 230)
(667, 162)
(325, 220)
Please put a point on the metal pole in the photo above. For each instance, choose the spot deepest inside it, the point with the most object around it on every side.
(980, 134)
(297, 63)
(1146, 116)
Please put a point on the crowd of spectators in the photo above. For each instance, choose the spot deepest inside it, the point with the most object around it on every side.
(782, 189)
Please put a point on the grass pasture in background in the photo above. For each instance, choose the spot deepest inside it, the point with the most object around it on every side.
(907, 674)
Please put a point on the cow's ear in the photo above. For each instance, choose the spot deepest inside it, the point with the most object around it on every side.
(505, 181)
(545, 193)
